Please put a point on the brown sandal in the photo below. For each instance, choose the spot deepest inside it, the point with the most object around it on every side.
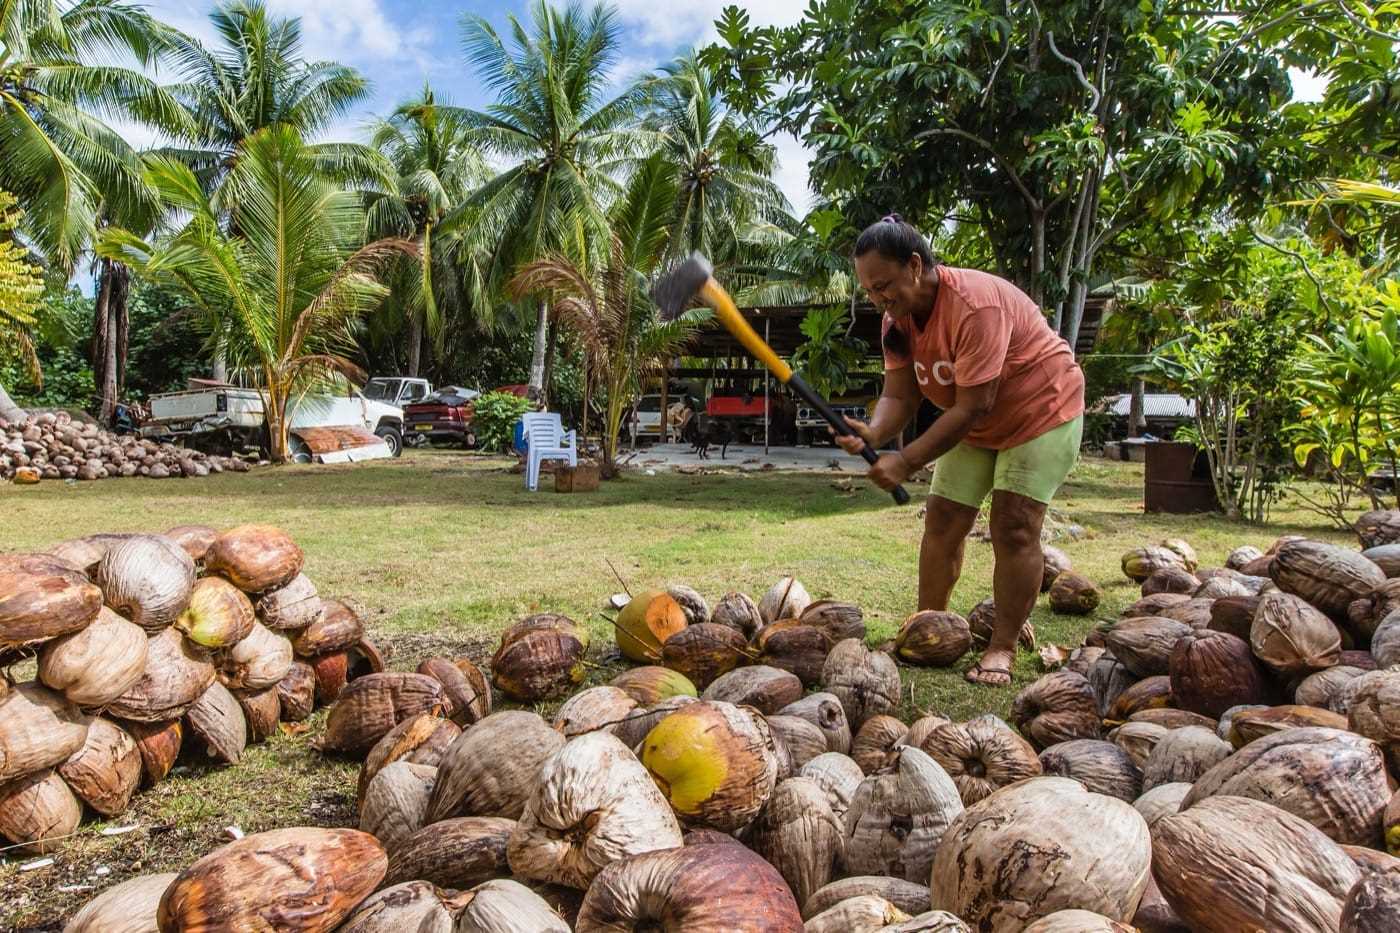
(974, 675)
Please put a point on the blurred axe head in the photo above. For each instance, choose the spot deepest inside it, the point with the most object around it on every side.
(677, 289)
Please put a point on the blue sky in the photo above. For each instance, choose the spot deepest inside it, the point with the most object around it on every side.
(400, 44)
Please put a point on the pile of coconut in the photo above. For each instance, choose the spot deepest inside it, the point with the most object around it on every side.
(147, 643)
(754, 774)
(54, 446)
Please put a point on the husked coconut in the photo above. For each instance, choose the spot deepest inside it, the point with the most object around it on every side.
(981, 755)
(1319, 687)
(1162, 800)
(37, 811)
(337, 628)
(263, 711)
(785, 599)
(1229, 863)
(535, 663)
(1056, 562)
(767, 689)
(865, 914)
(794, 646)
(1333, 779)
(413, 905)
(1183, 755)
(147, 579)
(395, 802)
(1042, 845)
(374, 704)
(296, 692)
(195, 539)
(866, 682)
(739, 612)
(824, 711)
(218, 614)
(1056, 708)
(159, 743)
(840, 620)
(1373, 904)
(715, 762)
(837, 775)
(1100, 766)
(300, 878)
(127, 907)
(697, 611)
(699, 889)
(1149, 693)
(1078, 921)
(592, 710)
(802, 740)
(908, 896)
(933, 639)
(1144, 645)
(106, 771)
(1170, 580)
(218, 720)
(798, 834)
(898, 815)
(505, 906)
(872, 745)
(455, 853)
(1072, 594)
(255, 558)
(1141, 562)
(257, 661)
(1291, 637)
(96, 665)
(1213, 671)
(1137, 739)
(592, 804)
(652, 683)
(490, 769)
(1255, 722)
(421, 740)
(1325, 575)
(293, 606)
(704, 651)
(42, 597)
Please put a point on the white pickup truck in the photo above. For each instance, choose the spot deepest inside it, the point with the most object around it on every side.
(227, 419)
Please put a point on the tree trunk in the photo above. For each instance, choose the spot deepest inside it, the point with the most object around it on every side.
(551, 347)
(536, 390)
(121, 316)
(110, 364)
(1137, 419)
(9, 410)
(415, 343)
(218, 370)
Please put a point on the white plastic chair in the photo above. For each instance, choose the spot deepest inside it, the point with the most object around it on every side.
(546, 439)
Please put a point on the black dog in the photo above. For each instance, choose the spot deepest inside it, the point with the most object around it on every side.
(701, 432)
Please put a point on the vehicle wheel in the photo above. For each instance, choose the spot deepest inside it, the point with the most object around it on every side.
(469, 441)
(393, 438)
(297, 449)
(804, 437)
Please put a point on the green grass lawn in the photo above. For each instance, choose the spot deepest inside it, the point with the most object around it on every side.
(441, 551)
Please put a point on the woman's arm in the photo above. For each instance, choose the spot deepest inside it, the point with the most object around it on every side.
(971, 405)
(896, 407)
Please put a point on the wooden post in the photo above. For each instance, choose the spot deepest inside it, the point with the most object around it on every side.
(766, 321)
(665, 384)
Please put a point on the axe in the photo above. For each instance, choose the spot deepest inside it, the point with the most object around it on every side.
(693, 278)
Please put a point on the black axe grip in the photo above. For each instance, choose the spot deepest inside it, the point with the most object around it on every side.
(839, 425)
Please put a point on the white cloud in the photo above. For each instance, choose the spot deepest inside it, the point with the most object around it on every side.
(348, 30)
(671, 24)
(791, 173)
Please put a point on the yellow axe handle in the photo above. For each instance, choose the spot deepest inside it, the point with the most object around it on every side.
(714, 295)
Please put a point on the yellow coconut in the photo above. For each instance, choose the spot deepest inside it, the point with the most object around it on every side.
(646, 622)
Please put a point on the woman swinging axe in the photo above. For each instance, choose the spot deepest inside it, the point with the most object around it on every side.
(1012, 398)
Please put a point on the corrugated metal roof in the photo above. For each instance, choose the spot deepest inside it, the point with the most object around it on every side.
(1154, 405)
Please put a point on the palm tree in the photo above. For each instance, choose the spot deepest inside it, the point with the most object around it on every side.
(58, 81)
(287, 287)
(566, 140)
(20, 288)
(723, 166)
(607, 304)
(437, 167)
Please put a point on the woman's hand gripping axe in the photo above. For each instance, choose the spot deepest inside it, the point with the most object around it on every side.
(692, 279)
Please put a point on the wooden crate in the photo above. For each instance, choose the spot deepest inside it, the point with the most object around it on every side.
(582, 478)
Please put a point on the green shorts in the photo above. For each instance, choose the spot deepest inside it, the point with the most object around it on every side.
(1034, 469)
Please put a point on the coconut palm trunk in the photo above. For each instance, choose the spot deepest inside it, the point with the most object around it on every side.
(9, 411)
(110, 324)
(537, 357)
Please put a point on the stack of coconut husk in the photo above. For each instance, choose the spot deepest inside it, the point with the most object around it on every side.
(54, 446)
(147, 643)
(1219, 759)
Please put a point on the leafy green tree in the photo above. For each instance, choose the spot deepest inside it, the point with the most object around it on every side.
(1052, 127)
(566, 141)
(828, 358)
(437, 166)
(607, 304)
(58, 81)
(287, 287)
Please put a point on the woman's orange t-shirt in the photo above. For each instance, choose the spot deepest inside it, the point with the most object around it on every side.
(983, 327)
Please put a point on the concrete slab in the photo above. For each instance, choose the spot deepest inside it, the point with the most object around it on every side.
(746, 457)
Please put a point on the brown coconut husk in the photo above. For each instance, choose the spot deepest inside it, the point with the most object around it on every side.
(1291, 637)
(642, 720)
(332, 673)
(503, 905)
(786, 599)
(147, 579)
(337, 628)
(1056, 562)
(824, 711)
(1233, 614)
(1148, 693)
(159, 743)
(1154, 605)
(866, 682)
(1141, 562)
(255, 558)
(396, 802)
(1073, 594)
(490, 769)
(1182, 756)
(898, 815)
(1325, 575)
(538, 664)
(43, 597)
(177, 674)
(1172, 718)
(194, 539)
(593, 804)
(794, 646)
(453, 853)
(94, 666)
(933, 639)
(1321, 687)
(468, 693)
(981, 755)
(837, 775)
(1137, 739)
(1056, 708)
(798, 834)
(737, 611)
(1101, 766)
(1249, 724)
(767, 689)
(38, 811)
(262, 710)
(423, 739)
(840, 620)
(982, 620)
(704, 651)
(1213, 671)
(296, 692)
(127, 907)
(876, 740)
(697, 611)
(801, 740)
(651, 683)
(257, 662)
(217, 720)
(856, 915)
(910, 897)
(297, 879)
(597, 709)
(1170, 580)
(106, 771)
(1144, 645)
(39, 729)
(290, 607)
(374, 704)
